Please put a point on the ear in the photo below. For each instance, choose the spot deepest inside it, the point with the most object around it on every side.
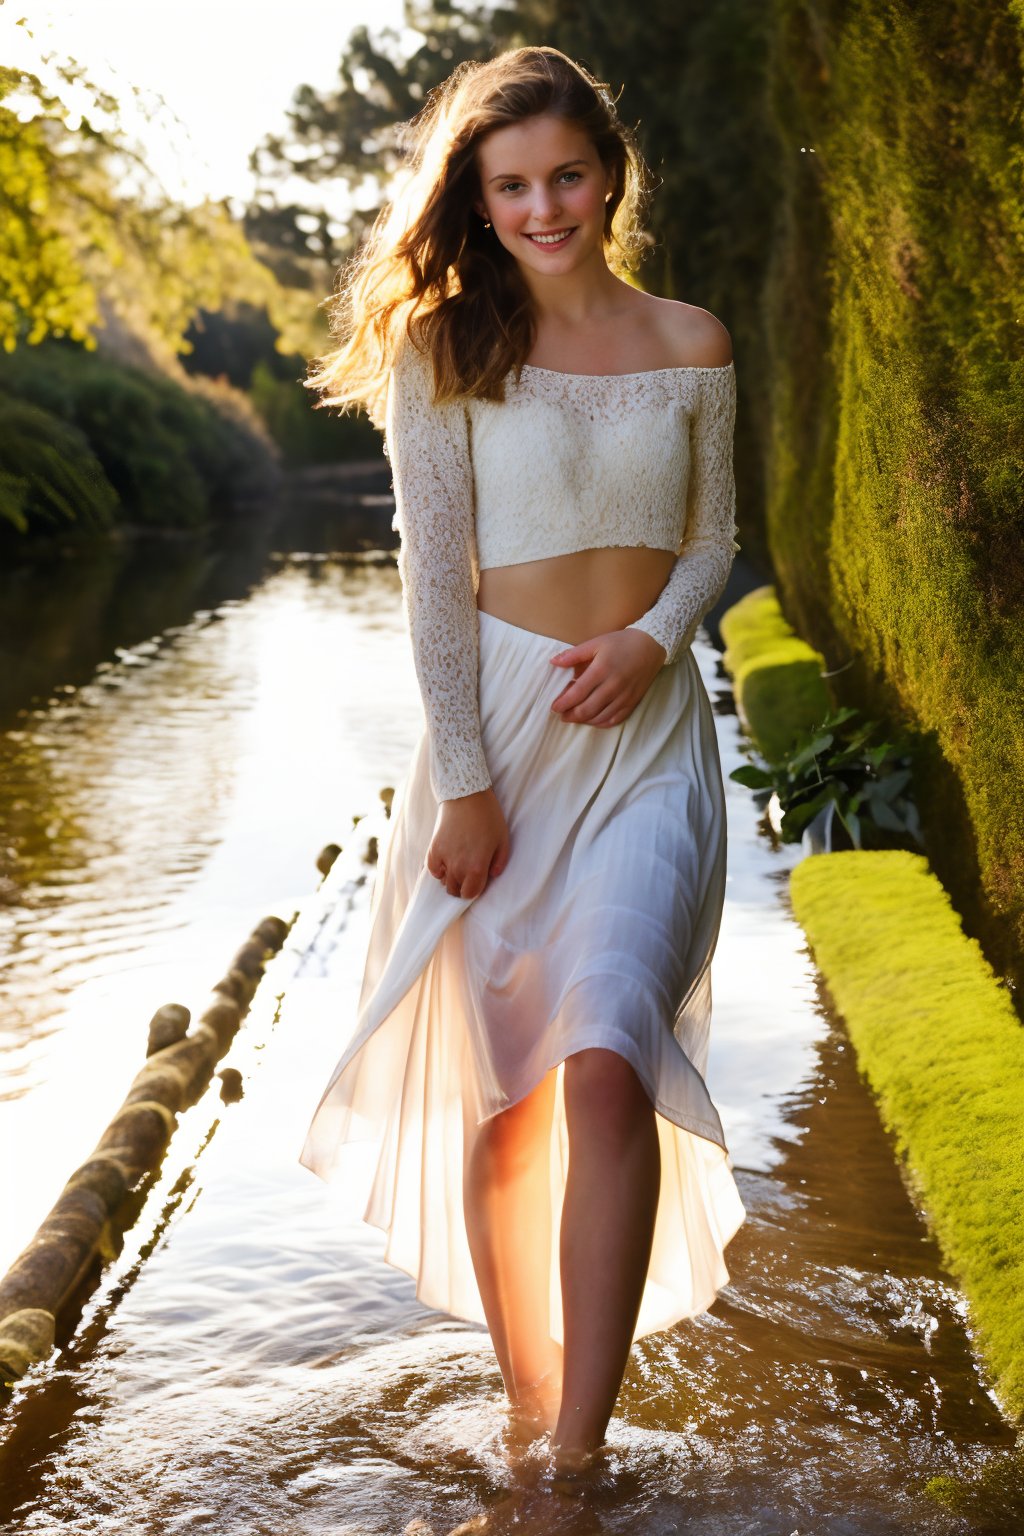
(480, 207)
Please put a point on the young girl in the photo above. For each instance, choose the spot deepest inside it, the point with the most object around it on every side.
(533, 1023)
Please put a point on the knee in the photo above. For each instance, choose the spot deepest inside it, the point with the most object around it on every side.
(505, 1147)
(601, 1088)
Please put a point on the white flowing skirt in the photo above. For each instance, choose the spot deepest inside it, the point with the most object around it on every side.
(599, 932)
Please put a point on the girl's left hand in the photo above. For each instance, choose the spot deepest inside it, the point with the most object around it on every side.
(612, 673)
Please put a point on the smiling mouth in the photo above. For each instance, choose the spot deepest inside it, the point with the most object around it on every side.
(555, 238)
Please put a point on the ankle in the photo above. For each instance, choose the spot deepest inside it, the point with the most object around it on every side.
(575, 1455)
(576, 1468)
(537, 1406)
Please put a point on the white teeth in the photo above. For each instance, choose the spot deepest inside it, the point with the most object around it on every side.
(551, 239)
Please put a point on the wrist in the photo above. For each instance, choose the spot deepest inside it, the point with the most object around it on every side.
(656, 648)
(473, 797)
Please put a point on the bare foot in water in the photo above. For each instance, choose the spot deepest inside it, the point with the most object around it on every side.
(524, 1445)
(575, 1472)
(532, 1417)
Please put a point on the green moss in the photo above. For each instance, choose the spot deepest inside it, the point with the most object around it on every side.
(776, 675)
(990, 1496)
(943, 1050)
(895, 439)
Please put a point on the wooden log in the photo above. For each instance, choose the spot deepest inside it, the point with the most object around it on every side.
(81, 1230)
(235, 984)
(25, 1337)
(136, 1137)
(326, 857)
(168, 1024)
(48, 1269)
(249, 959)
(223, 1017)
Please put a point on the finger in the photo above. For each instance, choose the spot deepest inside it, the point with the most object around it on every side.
(614, 714)
(600, 698)
(500, 858)
(576, 653)
(576, 692)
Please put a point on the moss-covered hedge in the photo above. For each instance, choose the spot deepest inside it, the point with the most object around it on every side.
(939, 1040)
(896, 435)
(776, 676)
(935, 1031)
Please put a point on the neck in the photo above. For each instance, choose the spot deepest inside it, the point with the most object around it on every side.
(574, 299)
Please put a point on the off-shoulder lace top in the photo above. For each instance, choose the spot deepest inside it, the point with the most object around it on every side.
(566, 462)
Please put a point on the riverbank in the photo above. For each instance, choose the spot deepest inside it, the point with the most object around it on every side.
(934, 1029)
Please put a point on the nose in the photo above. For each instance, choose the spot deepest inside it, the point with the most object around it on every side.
(545, 205)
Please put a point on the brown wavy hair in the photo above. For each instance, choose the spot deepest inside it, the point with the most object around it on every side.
(429, 267)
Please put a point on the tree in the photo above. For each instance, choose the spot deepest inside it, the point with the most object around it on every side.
(349, 135)
(87, 233)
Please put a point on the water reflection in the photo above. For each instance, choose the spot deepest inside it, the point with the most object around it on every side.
(250, 1364)
(150, 809)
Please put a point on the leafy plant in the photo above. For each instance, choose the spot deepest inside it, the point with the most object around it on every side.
(834, 772)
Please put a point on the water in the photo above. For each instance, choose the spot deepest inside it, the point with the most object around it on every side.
(249, 1364)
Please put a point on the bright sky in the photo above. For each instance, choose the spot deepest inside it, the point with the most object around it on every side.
(226, 68)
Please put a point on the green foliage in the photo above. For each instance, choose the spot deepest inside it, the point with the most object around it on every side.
(939, 1040)
(137, 447)
(44, 289)
(867, 785)
(305, 435)
(805, 754)
(49, 475)
(76, 241)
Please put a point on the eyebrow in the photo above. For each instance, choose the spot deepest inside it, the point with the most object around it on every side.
(515, 176)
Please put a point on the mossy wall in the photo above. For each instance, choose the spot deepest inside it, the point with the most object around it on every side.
(894, 343)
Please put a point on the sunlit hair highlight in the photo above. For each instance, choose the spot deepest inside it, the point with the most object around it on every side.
(429, 267)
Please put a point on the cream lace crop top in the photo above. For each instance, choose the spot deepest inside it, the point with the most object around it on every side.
(567, 462)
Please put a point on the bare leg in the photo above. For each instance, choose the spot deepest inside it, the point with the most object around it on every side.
(507, 1199)
(611, 1198)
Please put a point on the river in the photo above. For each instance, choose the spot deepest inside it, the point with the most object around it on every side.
(186, 724)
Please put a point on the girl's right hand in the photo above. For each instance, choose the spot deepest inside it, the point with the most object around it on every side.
(470, 844)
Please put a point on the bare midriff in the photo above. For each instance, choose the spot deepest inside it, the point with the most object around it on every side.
(577, 596)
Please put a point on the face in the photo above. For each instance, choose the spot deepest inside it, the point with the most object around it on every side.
(543, 177)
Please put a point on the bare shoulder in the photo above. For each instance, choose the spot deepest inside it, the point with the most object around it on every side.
(694, 336)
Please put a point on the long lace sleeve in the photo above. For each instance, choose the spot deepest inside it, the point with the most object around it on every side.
(428, 449)
(705, 557)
